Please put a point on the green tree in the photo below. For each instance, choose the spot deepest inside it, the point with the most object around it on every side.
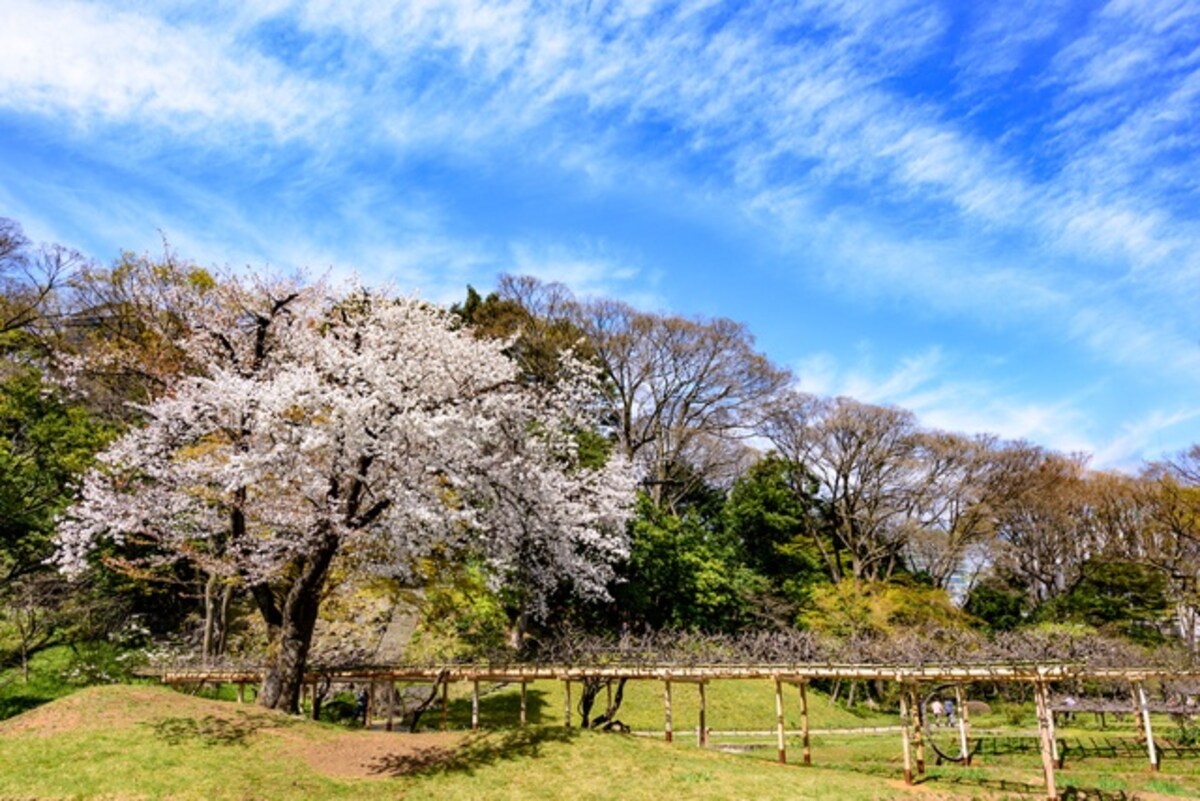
(684, 571)
(774, 516)
(1125, 597)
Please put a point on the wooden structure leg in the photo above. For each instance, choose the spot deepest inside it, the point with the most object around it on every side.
(804, 722)
(904, 738)
(1139, 691)
(523, 707)
(667, 709)
(1045, 737)
(567, 705)
(779, 723)
(370, 719)
(474, 704)
(445, 703)
(316, 708)
(241, 692)
(702, 731)
(964, 724)
(391, 704)
(918, 720)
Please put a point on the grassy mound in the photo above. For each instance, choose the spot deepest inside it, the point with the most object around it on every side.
(150, 742)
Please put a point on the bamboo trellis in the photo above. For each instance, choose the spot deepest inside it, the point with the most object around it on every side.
(909, 678)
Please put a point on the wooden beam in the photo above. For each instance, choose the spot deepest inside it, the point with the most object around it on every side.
(779, 723)
(904, 736)
(917, 713)
(391, 704)
(964, 724)
(804, 721)
(445, 703)
(667, 709)
(1139, 692)
(1042, 702)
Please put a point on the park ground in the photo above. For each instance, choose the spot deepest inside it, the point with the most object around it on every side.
(150, 742)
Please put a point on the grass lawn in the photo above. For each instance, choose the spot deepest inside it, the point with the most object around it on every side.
(135, 742)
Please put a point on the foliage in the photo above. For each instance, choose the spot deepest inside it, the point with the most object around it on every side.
(684, 572)
(997, 606)
(852, 609)
(1125, 597)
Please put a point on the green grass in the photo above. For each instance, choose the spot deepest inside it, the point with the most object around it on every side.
(148, 743)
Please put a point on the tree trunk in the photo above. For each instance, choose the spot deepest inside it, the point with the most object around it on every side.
(288, 652)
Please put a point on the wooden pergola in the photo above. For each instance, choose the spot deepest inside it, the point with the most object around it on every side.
(910, 678)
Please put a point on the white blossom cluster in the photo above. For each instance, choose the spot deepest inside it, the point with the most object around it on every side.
(368, 419)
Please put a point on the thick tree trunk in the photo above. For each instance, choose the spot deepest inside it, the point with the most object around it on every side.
(288, 651)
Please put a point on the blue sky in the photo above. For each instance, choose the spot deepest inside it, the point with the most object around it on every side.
(983, 212)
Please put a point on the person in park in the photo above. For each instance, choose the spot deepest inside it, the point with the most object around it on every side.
(949, 707)
(938, 710)
(360, 708)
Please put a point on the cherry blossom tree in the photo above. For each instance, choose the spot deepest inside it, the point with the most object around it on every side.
(333, 434)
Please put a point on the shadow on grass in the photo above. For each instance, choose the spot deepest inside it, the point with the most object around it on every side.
(497, 709)
(213, 730)
(13, 705)
(477, 750)
(1070, 793)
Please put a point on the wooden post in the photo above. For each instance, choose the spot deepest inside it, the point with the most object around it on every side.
(474, 704)
(804, 721)
(702, 732)
(241, 692)
(904, 723)
(567, 705)
(608, 687)
(316, 710)
(1051, 727)
(918, 717)
(391, 704)
(670, 735)
(779, 732)
(370, 705)
(522, 705)
(1144, 712)
(1046, 740)
(445, 702)
(964, 737)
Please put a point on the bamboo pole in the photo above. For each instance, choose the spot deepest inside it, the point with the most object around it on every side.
(702, 732)
(964, 725)
(241, 692)
(523, 707)
(608, 687)
(475, 704)
(567, 705)
(445, 703)
(667, 707)
(316, 711)
(779, 724)
(917, 713)
(1144, 712)
(804, 721)
(1045, 738)
(904, 724)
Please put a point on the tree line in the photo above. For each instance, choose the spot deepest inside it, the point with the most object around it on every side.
(242, 463)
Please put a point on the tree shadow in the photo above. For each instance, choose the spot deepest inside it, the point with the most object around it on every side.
(213, 730)
(478, 750)
(14, 705)
(1069, 793)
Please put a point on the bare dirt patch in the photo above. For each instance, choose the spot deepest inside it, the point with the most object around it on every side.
(378, 754)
